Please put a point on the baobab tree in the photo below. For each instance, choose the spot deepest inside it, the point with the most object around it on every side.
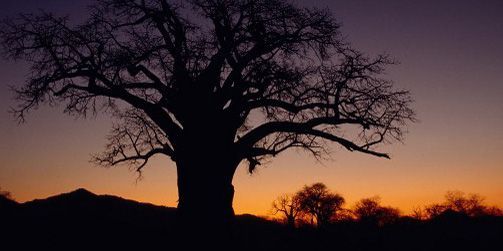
(209, 83)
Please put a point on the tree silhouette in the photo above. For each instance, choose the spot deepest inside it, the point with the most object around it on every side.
(318, 202)
(457, 202)
(370, 211)
(471, 205)
(289, 207)
(209, 83)
(418, 213)
(434, 210)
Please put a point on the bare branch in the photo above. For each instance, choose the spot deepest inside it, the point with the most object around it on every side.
(260, 77)
(134, 142)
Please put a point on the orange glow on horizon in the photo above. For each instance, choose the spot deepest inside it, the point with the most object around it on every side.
(255, 192)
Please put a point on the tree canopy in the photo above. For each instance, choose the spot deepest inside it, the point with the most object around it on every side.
(370, 211)
(314, 203)
(265, 76)
(318, 202)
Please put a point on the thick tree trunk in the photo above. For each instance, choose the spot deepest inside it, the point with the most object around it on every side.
(205, 193)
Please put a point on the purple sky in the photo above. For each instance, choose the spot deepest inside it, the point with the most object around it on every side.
(451, 58)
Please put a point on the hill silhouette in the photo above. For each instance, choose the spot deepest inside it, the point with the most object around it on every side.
(83, 220)
(83, 204)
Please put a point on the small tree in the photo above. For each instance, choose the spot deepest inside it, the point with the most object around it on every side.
(289, 206)
(319, 203)
(370, 211)
(418, 213)
(471, 205)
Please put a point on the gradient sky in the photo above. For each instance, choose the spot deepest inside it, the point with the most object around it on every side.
(451, 55)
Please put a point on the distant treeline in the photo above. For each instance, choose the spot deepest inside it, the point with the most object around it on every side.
(104, 222)
(316, 205)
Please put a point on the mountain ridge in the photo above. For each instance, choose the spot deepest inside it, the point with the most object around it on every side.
(83, 193)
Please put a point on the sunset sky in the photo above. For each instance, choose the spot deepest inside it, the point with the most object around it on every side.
(451, 59)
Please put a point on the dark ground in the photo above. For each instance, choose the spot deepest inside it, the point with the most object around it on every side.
(81, 220)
